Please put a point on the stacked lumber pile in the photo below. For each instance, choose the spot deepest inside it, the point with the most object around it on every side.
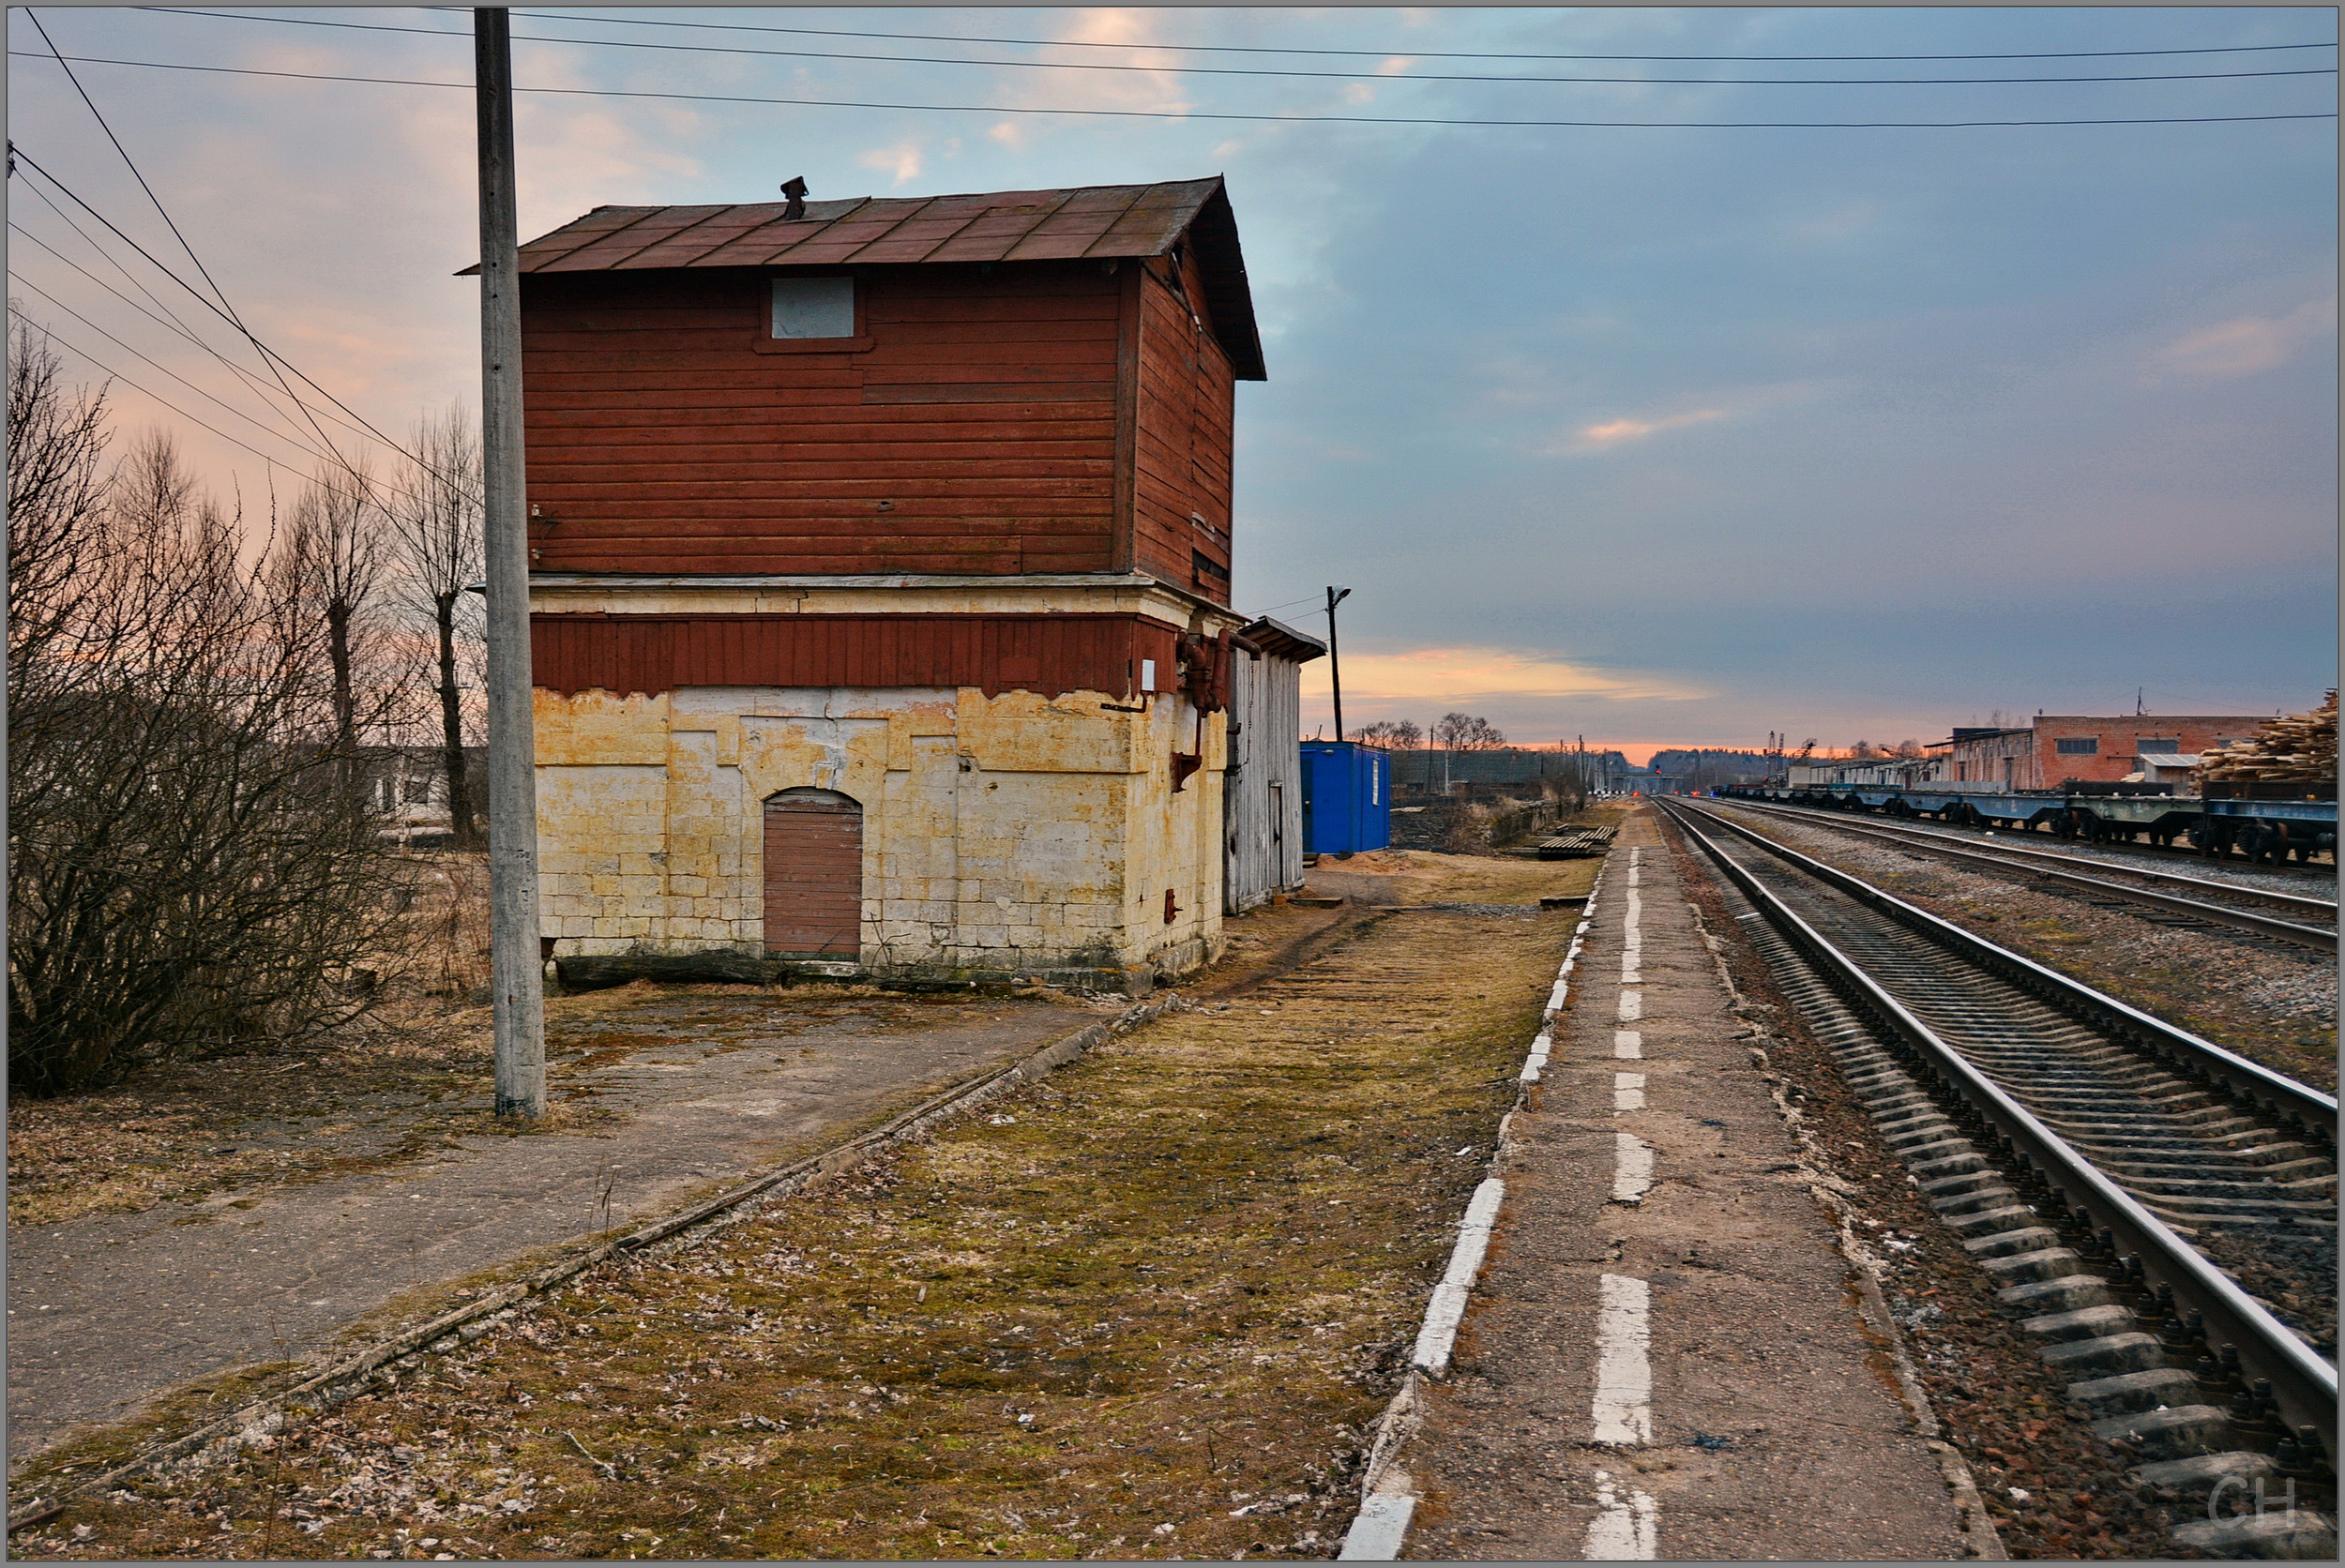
(2300, 748)
(1577, 844)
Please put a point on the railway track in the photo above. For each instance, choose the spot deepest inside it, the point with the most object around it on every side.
(2176, 899)
(2089, 1156)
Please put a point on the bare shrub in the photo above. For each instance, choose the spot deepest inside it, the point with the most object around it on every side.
(194, 866)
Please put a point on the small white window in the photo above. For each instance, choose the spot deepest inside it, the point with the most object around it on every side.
(813, 307)
(1147, 675)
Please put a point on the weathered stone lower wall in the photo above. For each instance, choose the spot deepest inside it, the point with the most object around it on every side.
(1011, 836)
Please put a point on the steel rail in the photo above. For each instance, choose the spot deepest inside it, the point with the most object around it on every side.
(2252, 1083)
(2303, 1383)
(2219, 914)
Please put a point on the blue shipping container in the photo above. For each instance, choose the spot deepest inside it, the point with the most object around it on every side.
(1347, 797)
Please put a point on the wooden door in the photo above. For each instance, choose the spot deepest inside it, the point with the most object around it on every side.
(813, 874)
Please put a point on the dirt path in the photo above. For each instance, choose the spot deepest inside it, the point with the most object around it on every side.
(1664, 1357)
(1145, 1308)
(109, 1311)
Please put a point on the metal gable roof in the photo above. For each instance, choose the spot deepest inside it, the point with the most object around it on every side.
(1086, 223)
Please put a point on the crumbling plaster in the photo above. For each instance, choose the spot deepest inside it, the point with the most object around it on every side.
(1016, 835)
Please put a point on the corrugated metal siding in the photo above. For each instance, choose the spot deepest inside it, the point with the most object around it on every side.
(1263, 791)
(1051, 654)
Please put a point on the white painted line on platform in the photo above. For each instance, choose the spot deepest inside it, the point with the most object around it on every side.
(1752, 916)
(1629, 1045)
(1380, 1527)
(1626, 1526)
(1632, 1167)
(1628, 1091)
(1624, 1368)
(1635, 911)
(1631, 1007)
(1556, 998)
(1447, 1309)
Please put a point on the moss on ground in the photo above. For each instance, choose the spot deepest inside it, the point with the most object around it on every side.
(1147, 1307)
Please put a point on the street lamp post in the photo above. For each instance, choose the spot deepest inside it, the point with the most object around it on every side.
(1335, 668)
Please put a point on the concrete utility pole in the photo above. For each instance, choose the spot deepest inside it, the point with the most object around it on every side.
(1335, 668)
(516, 968)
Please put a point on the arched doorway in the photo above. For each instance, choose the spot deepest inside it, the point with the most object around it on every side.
(813, 874)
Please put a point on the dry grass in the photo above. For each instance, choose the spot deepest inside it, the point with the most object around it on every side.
(1149, 1308)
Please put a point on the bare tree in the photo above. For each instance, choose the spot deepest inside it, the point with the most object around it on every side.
(1456, 731)
(436, 538)
(191, 868)
(1393, 734)
(333, 556)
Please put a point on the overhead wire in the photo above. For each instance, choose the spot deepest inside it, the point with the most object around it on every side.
(53, 336)
(1200, 115)
(1401, 53)
(273, 435)
(225, 305)
(18, 152)
(1237, 70)
(168, 320)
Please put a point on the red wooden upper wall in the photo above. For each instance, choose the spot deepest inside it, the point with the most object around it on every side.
(1047, 417)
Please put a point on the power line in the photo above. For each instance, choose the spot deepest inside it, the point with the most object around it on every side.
(1409, 53)
(209, 280)
(1184, 114)
(168, 320)
(1240, 71)
(269, 354)
(175, 375)
(52, 334)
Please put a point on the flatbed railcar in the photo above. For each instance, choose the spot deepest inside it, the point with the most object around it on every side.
(2267, 823)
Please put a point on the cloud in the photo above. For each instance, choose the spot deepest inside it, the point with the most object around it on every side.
(1474, 674)
(1613, 432)
(2246, 345)
(901, 161)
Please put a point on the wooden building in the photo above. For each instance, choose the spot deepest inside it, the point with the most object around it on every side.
(881, 562)
(1261, 787)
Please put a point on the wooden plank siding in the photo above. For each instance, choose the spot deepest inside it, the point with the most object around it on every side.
(1187, 419)
(1029, 418)
(1051, 654)
(974, 434)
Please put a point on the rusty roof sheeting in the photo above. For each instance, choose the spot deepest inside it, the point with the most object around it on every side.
(1092, 222)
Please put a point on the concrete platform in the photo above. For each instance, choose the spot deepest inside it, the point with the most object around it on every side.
(1685, 1375)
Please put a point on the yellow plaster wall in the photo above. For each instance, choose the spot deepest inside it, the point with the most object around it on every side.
(1016, 832)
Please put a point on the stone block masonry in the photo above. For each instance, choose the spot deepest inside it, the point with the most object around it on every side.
(1012, 836)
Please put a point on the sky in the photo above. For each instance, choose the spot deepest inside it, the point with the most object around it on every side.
(1672, 432)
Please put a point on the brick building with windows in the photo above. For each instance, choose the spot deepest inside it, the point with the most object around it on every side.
(2058, 748)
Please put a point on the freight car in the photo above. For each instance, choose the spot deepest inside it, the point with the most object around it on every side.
(2267, 823)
